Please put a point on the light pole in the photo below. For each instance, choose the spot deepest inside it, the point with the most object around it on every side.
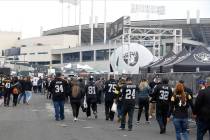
(91, 34)
(105, 8)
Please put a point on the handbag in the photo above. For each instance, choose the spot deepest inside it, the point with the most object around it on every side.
(114, 107)
(85, 102)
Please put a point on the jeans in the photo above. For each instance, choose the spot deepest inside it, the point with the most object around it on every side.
(59, 109)
(28, 96)
(181, 126)
(143, 102)
(108, 111)
(127, 109)
(119, 109)
(202, 128)
(23, 94)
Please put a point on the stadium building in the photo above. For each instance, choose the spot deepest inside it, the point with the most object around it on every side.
(159, 36)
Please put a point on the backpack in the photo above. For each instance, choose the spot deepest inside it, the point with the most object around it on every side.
(15, 90)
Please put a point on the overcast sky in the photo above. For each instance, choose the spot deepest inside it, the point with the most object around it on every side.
(28, 16)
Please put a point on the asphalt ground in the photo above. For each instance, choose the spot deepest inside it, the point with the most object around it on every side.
(36, 122)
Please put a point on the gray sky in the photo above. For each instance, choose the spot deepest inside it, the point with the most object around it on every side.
(28, 16)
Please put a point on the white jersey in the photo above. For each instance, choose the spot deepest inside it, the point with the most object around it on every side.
(35, 81)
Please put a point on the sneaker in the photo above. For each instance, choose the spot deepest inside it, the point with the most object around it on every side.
(96, 116)
(129, 129)
(121, 128)
(147, 122)
(56, 119)
(75, 119)
(137, 122)
(150, 117)
(162, 131)
(88, 117)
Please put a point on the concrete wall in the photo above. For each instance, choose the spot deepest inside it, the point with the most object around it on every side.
(8, 40)
(44, 44)
(63, 41)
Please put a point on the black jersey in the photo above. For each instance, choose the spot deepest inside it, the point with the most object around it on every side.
(7, 85)
(91, 91)
(129, 94)
(162, 94)
(58, 88)
(110, 89)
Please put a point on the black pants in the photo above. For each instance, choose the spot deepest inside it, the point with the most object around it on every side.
(15, 99)
(127, 109)
(109, 114)
(143, 103)
(6, 98)
(161, 115)
(75, 108)
(91, 104)
(35, 89)
(99, 96)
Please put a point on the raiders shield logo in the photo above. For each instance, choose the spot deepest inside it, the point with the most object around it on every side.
(131, 58)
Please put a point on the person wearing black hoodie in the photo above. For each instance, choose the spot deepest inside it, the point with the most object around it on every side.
(202, 111)
(75, 98)
(91, 97)
(16, 89)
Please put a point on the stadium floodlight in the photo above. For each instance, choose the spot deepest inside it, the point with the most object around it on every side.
(150, 9)
(74, 2)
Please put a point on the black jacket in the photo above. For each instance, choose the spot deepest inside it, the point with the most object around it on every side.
(28, 86)
(90, 92)
(162, 95)
(202, 105)
(110, 89)
(78, 98)
(58, 88)
(178, 109)
(129, 94)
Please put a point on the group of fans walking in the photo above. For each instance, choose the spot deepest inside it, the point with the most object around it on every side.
(18, 88)
(121, 97)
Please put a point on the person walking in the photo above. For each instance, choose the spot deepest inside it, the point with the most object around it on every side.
(58, 89)
(22, 90)
(110, 87)
(28, 89)
(129, 91)
(40, 84)
(180, 102)
(75, 98)
(118, 94)
(202, 111)
(7, 91)
(16, 88)
(143, 100)
(100, 87)
(91, 97)
(162, 96)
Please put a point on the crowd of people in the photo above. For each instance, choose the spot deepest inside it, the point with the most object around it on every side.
(120, 97)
